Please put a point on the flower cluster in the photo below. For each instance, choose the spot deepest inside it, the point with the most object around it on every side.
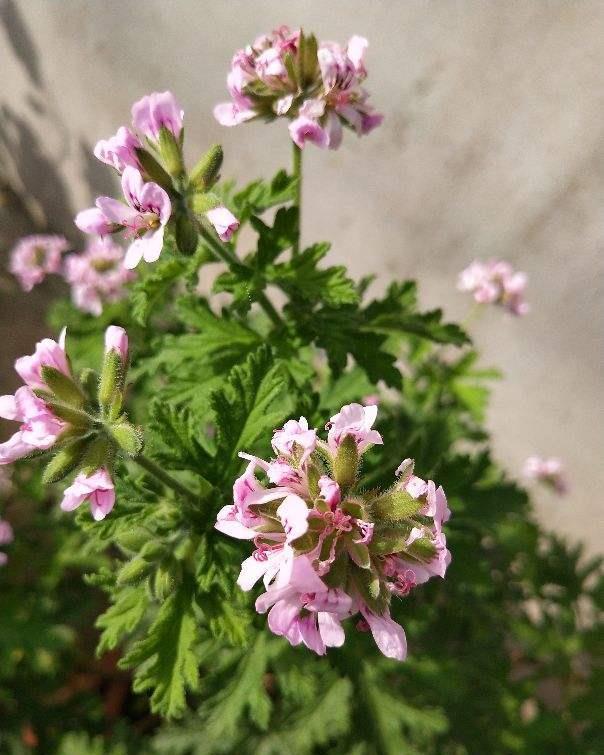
(155, 186)
(317, 86)
(97, 276)
(80, 421)
(550, 471)
(34, 257)
(495, 282)
(326, 549)
(6, 538)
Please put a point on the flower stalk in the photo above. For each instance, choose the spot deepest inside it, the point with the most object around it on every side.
(297, 173)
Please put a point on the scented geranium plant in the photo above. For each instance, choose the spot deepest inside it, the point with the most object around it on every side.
(257, 480)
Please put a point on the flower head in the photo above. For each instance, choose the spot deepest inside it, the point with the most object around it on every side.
(495, 282)
(547, 470)
(325, 549)
(34, 257)
(119, 150)
(317, 87)
(97, 275)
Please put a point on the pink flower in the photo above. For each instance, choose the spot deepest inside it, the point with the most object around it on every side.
(371, 400)
(34, 257)
(330, 491)
(97, 276)
(355, 420)
(39, 428)
(316, 543)
(547, 470)
(94, 222)
(304, 130)
(262, 83)
(6, 533)
(156, 111)
(119, 150)
(116, 339)
(224, 222)
(388, 635)
(96, 488)
(495, 282)
(144, 216)
(48, 353)
(295, 433)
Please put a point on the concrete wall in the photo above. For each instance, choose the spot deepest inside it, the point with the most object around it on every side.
(492, 146)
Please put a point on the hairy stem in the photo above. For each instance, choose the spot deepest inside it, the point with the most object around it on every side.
(170, 482)
(224, 253)
(297, 173)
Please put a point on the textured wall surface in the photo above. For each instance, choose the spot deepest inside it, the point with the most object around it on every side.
(493, 145)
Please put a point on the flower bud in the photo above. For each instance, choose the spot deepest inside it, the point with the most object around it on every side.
(186, 234)
(128, 438)
(205, 174)
(395, 505)
(204, 201)
(116, 339)
(64, 462)
(134, 571)
(163, 583)
(111, 379)
(346, 462)
(170, 152)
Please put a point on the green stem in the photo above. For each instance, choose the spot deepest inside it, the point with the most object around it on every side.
(297, 173)
(225, 254)
(154, 469)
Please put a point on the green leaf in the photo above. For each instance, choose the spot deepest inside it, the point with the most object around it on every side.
(121, 618)
(396, 314)
(165, 659)
(273, 240)
(257, 398)
(154, 287)
(259, 196)
(300, 277)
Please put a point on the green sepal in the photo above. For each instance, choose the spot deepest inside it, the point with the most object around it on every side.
(75, 417)
(171, 152)
(89, 380)
(128, 438)
(153, 551)
(186, 234)
(314, 473)
(164, 582)
(346, 463)
(133, 539)
(422, 549)
(203, 201)
(64, 462)
(153, 169)
(112, 376)
(369, 587)
(308, 63)
(359, 553)
(62, 386)
(205, 174)
(395, 505)
(390, 540)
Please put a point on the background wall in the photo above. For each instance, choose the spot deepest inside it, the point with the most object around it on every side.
(493, 145)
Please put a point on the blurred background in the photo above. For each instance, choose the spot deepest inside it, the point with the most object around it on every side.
(492, 146)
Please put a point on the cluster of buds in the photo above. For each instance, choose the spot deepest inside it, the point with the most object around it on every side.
(316, 86)
(157, 190)
(34, 257)
(495, 282)
(549, 471)
(80, 421)
(327, 549)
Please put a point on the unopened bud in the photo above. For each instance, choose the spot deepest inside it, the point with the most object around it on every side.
(163, 583)
(205, 174)
(171, 152)
(346, 462)
(116, 339)
(186, 234)
(152, 551)
(62, 386)
(64, 462)
(395, 505)
(112, 377)
(389, 540)
(134, 571)
(128, 438)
